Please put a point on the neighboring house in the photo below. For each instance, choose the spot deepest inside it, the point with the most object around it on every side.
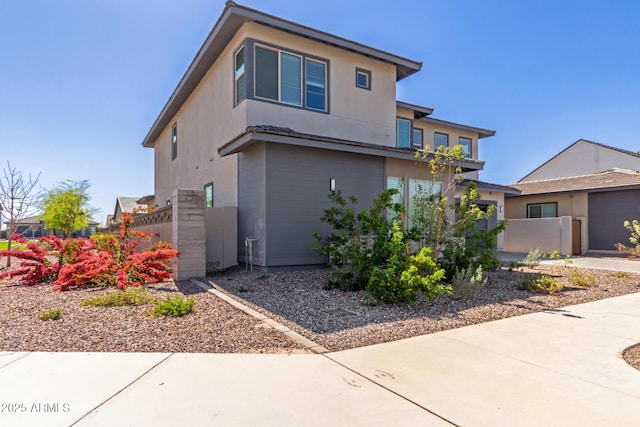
(596, 185)
(33, 227)
(601, 201)
(271, 115)
(126, 204)
(584, 157)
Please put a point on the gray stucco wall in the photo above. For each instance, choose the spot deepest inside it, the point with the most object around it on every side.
(252, 202)
(294, 190)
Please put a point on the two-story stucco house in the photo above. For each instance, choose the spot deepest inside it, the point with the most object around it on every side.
(272, 115)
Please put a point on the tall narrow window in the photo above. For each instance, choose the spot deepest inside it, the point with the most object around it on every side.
(266, 73)
(174, 141)
(240, 89)
(403, 133)
(440, 140)
(208, 194)
(315, 82)
(416, 138)
(290, 79)
(466, 146)
(396, 184)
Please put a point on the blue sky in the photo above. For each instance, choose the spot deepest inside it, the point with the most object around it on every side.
(82, 81)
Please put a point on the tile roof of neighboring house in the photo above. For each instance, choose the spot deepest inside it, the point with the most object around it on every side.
(285, 135)
(488, 186)
(32, 220)
(600, 181)
(619, 150)
(232, 18)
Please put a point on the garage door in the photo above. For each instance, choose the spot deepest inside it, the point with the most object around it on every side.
(607, 211)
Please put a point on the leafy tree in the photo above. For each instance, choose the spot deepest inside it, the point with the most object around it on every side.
(17, 198)
(66, 206)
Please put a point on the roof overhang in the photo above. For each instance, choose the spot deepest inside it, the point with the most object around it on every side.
(271, 134)
(482, 133)
(491, 187)
(232, 18)
(418, 110)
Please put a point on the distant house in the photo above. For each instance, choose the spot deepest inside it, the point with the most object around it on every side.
(596, 185)
(272, 115)
(34, 227)
(126, 204)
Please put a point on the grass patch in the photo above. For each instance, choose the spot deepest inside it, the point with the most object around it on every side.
(541, 284)
(14, 246)
(582, 279)
(129, 296)
(51, 314)
(173, 306)
(620, 275)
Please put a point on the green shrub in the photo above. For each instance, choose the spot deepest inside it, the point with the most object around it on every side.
(128, 296)
(580, 278)
(51, 314)
(173, 306)
(541, 284)
(402, 279)
(532, 260)
(467, 282)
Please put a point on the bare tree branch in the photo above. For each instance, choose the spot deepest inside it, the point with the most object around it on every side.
(17, 199)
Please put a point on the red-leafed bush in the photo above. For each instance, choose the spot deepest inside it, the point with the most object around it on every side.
(118, 262)
(42, 260)
(107, 260)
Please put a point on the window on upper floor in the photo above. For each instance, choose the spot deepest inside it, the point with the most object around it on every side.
(416, 138)
(542, 210)
(363, 78)
(403, 133)
(290, 78)
(240, 92)
(208, 195)
(466, 146)
(440, 140)
(174, 141)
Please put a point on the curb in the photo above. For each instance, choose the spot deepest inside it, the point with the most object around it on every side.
(294, 336)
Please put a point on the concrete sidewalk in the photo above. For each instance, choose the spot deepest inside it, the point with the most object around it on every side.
(602, 262)
(561, 367)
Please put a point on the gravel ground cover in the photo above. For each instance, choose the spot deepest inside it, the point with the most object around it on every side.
(213, 326)
(339, 320)
(334, 319)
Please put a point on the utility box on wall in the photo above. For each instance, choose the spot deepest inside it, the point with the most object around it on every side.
(221, 238)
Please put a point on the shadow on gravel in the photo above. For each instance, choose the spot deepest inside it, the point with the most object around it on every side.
(300, 297)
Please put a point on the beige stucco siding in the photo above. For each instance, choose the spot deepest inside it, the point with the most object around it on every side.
(573, 205)
(428, 135)
(584, 158)
(354, 113)
(205, 121)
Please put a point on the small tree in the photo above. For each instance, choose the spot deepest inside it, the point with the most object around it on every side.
(17, 198)
(66, 206)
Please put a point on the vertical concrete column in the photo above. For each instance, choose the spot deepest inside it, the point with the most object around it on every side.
(189, 233)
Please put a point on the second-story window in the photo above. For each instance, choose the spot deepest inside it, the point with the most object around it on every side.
(174, 141)
(466, 146)
(416, 138)
(403, 133)
(240, 81)
(208, 195)
(281, 77)
(440, 140)
(363, 78)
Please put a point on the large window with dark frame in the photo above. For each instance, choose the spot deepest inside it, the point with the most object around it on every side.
(290, 78)
(542, 210)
